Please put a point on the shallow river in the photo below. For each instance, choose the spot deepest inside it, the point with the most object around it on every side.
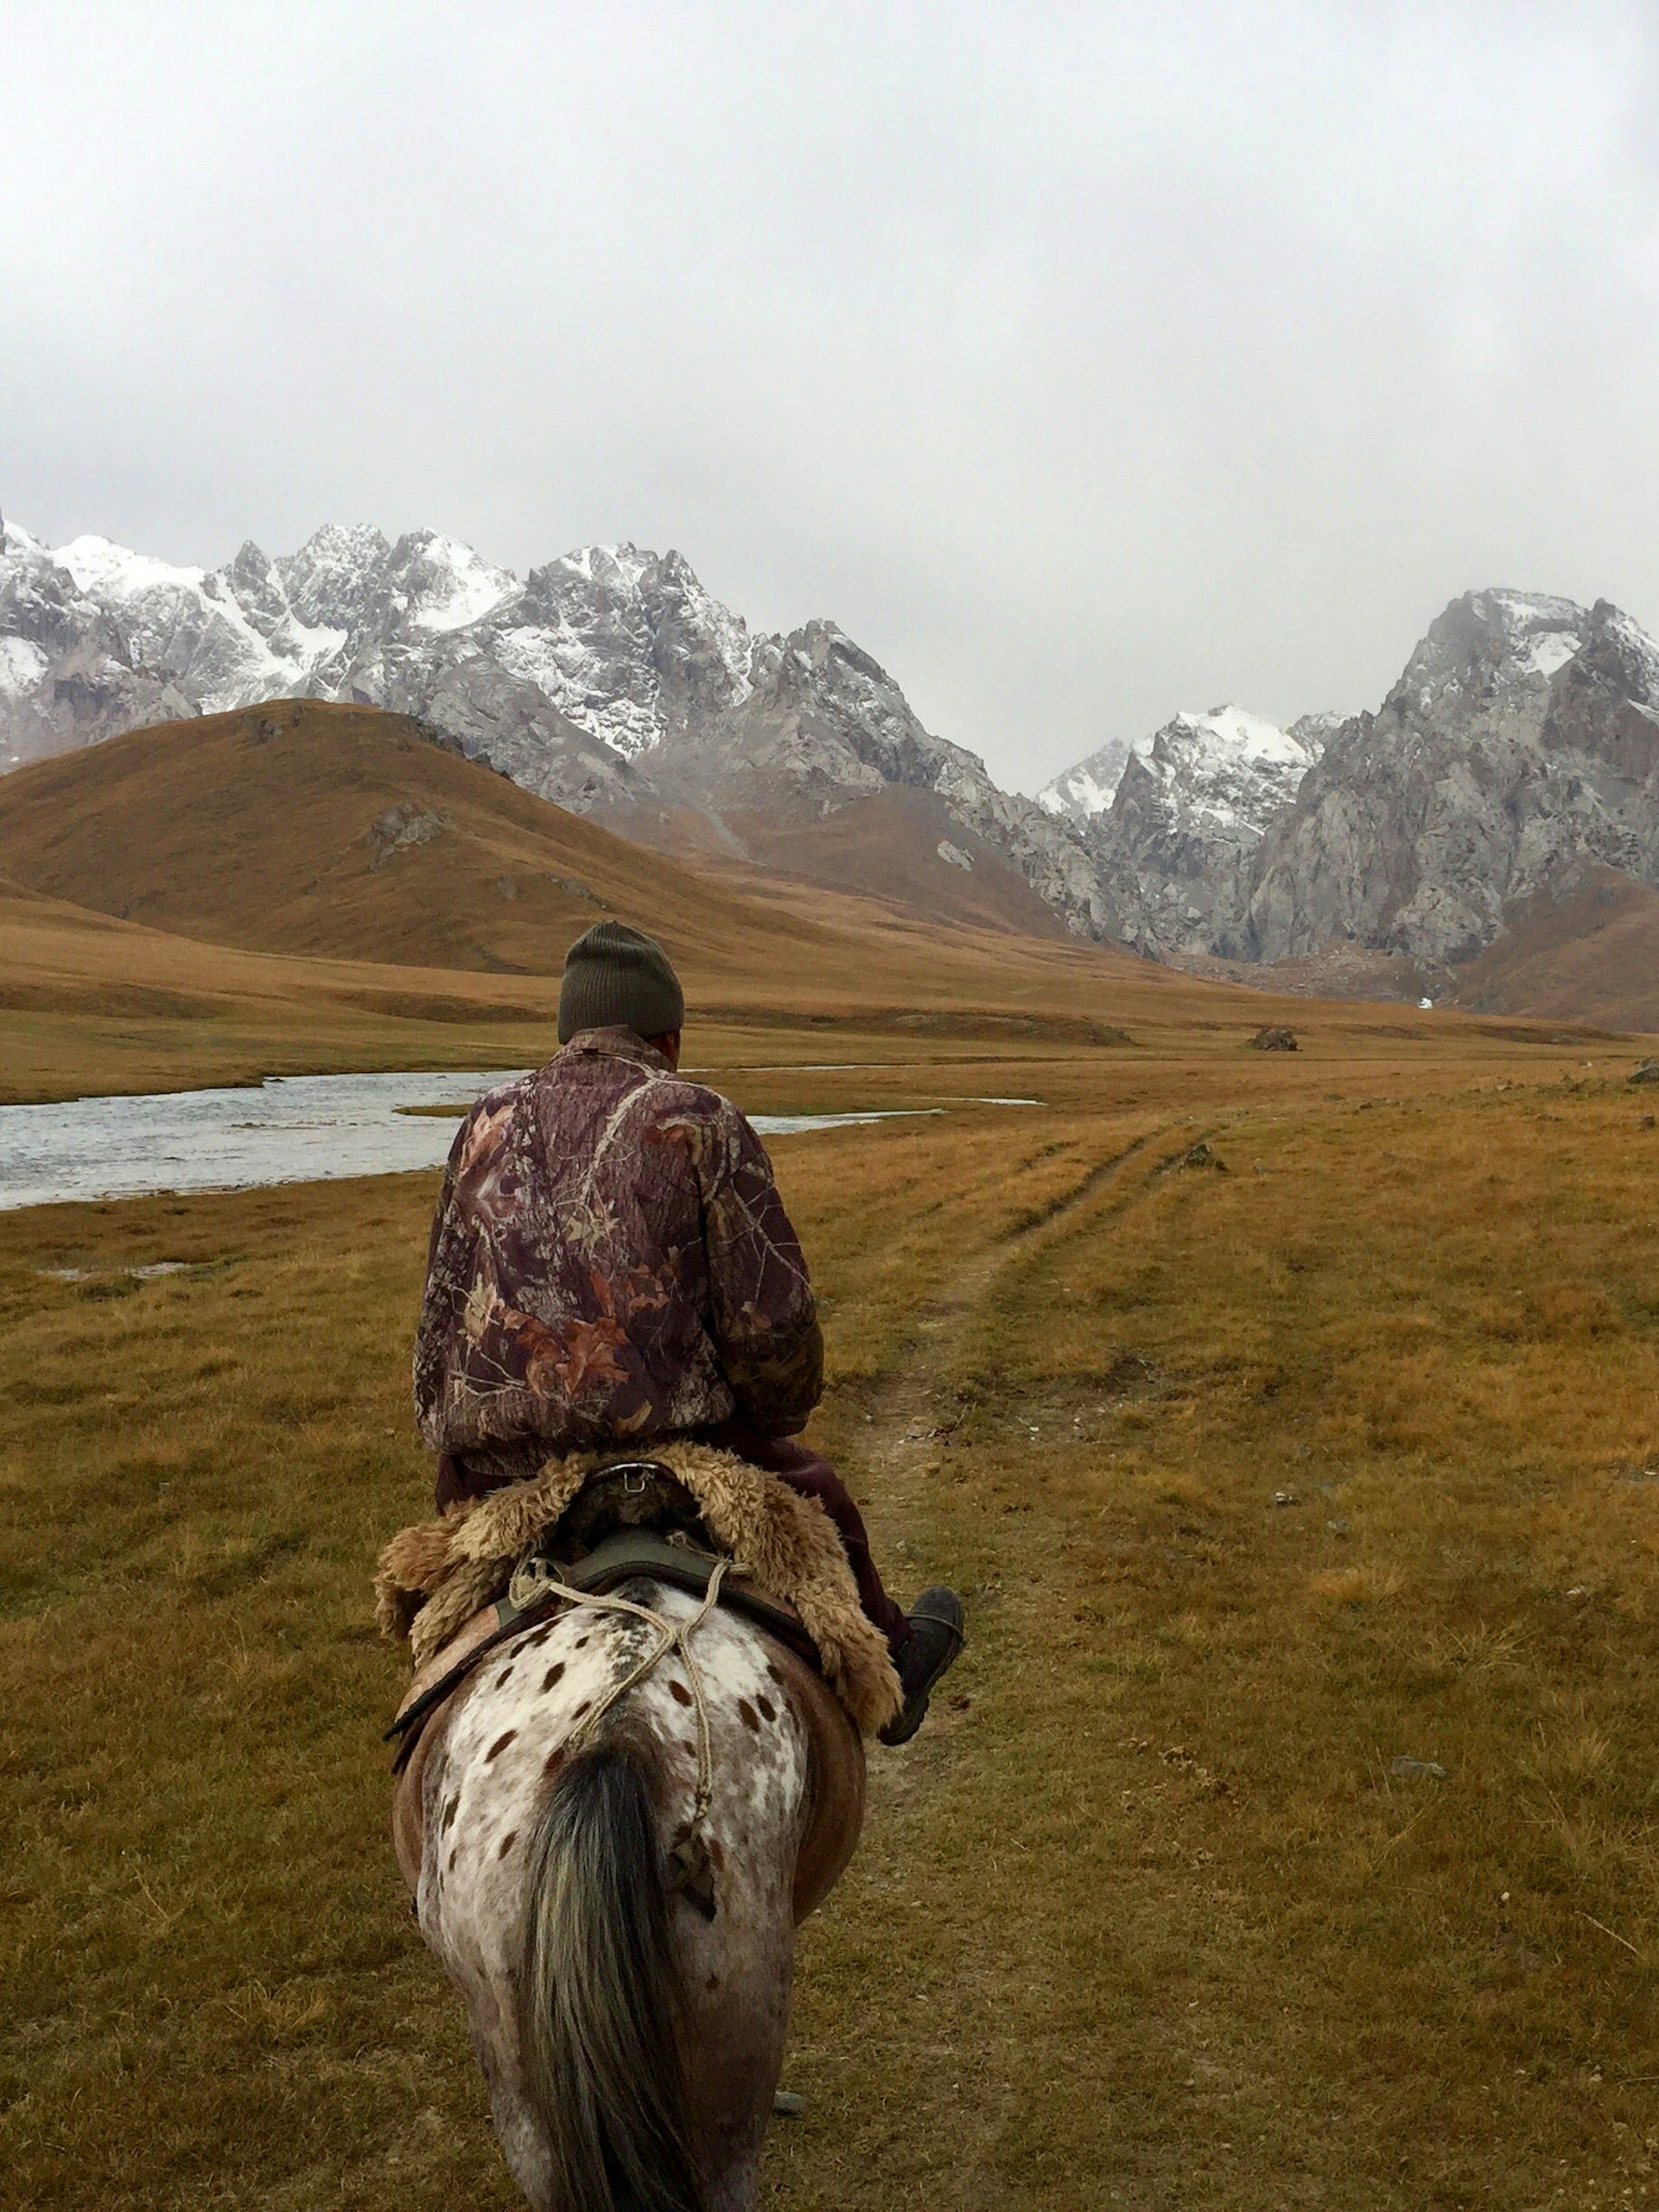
(302, 1128)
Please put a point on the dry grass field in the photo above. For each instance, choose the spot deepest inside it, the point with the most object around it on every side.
(1336, 1448)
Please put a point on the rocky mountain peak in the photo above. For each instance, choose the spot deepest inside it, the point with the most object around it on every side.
(628, 644)
(1175, 835)
(333, 580)
(1083, 791)
(1314, 732)
(437, 583)
(1519, 743)
(1227, 753)
(252, 580)
(1489, 649)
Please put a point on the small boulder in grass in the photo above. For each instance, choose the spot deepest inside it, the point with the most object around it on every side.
(1647, 1072)
(1274, 1040)
(1201, 1156)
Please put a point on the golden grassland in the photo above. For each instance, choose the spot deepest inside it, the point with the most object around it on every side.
(93, 1003)
(1145, 1917)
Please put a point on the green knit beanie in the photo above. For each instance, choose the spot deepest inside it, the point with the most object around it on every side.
(619, 978)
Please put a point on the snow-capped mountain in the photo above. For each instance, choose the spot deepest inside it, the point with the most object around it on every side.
(1249, 754)
(608, 680)
(67, 672)
(1089, 788)
(1173, 821)
(1521, 741)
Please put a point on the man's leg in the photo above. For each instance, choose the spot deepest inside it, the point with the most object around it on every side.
(810, 1475)
(924, 1642)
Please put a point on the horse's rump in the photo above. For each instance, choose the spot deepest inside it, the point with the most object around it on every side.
(614, 1815)
(540, 1876)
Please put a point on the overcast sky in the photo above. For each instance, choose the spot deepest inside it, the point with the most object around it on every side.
(1083, 362)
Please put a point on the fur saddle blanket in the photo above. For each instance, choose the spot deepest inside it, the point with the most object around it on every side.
(434, 1578)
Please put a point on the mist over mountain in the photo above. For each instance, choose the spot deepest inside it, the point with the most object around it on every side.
(1519, 746)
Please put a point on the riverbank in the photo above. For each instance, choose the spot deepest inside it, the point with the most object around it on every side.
(292, 1129)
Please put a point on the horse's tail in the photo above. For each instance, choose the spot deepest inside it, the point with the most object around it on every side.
(599, 2001)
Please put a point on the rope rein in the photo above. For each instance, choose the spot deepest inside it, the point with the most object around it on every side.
(675, 1635)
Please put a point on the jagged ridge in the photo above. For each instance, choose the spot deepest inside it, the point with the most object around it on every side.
(608, 680)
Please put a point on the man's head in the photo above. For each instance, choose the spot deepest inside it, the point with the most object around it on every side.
(616, 977)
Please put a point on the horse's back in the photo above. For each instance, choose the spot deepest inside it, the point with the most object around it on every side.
(785, 1788)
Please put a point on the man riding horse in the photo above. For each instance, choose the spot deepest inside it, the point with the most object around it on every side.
(610, 1265)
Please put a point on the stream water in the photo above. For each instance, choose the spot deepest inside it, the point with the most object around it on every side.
(289, 1129)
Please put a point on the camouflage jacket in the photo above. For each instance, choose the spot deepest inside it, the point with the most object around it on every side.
(610, 1262)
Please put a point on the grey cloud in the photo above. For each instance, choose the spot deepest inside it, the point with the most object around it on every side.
(1083, 364)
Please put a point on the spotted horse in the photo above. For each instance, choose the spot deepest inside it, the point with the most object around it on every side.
(622, 1783)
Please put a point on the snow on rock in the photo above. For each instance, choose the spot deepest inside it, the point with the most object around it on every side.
(1229, 768)
(1521, 741)
(1231, 741)
(1190, 806)
(337, 579)
(441, 584)
(1089, 788)
(70, 675)
(23, 664)
(628, 644)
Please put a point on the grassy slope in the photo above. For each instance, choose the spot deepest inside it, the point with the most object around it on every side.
(1590, 949)
(889, 846)
(195, 830)
(276, 828)
(208, 901)
(1144, 1918)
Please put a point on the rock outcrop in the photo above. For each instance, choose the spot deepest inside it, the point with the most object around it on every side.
(1521, 743)
(1519, 748)
(1174, 825)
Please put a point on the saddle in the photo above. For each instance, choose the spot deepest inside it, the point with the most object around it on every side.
(630, 1518)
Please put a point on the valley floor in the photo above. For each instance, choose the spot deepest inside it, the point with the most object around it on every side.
(1264, 1473)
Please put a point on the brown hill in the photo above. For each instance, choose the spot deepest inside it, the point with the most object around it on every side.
(903, 845)
(1588, 950)
(344, 834)
(311, 827)
(312, 885)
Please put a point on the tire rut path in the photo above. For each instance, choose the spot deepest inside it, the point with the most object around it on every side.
(905, 1413)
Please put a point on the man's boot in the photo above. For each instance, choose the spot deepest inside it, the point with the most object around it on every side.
(936, 1638)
